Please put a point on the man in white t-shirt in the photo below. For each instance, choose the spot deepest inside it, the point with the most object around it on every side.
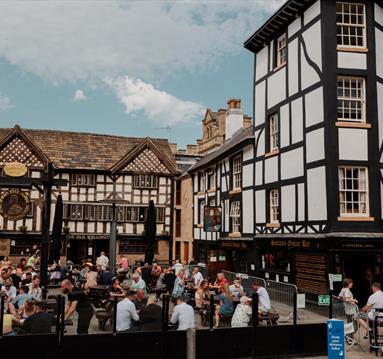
(183, 314)
(126, 311)
(264, 304)
(102, 261)
(375, 301)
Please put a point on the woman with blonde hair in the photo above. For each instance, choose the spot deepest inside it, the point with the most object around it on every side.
(225, 307)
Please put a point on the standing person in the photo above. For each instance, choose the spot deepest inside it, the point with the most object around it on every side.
(126, 312)
(40, 322)
(264, 304)
(123, 263)
(91, 278)
(34, 289)
(151, 315)
(146, 273)
(197, 277)
(106, 277)
(177, 267)
(169, 279)
(156, 272)
(225, 307)
(242, 313)
(183, 314)
(179, 284)
(103, 261)
(78, 302)
(375, 301)
(347, 297)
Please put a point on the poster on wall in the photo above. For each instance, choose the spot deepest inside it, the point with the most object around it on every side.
(212, 219)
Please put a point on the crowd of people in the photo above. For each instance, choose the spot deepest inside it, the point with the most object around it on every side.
(137, 290)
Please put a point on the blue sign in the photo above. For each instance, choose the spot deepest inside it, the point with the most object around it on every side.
(335, 339)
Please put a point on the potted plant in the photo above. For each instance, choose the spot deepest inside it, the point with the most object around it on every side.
(66, 229)
(165, 233)
(23, 228)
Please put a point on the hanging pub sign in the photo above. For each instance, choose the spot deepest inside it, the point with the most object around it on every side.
(15, 169)
(14, 204)
(212, 219)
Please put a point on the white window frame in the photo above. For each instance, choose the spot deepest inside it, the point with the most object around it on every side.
(346, 24)
(274, 206)
(211, 179)
(235, 216)
(202, 182)
(274, 131)
(237, 172)
(145, 181)
(201, 211)
(281, 50)
(83, 179)
(347, 96)
(362, 192)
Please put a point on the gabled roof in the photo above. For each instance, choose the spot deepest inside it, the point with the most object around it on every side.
(85, 151)
(281, 18)
(147, 143)
(243, 137)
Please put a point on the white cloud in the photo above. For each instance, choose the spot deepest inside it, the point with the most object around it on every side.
(79, 96)
(5, 103)
(77, 40)
(140, 97)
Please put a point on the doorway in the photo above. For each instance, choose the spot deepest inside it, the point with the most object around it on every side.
(363, 270)
(186, 252)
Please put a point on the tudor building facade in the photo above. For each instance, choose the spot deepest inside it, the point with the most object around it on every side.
(223, 178)
(98, 168)
(318, 93)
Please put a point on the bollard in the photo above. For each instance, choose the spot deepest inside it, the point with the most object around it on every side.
(58, 317)
(62, 315)
(165, 321)
(115, 316)
(191, 344)
(212, 312)
(254, 321)
(2, 297)
(295, 309)
(330, 306)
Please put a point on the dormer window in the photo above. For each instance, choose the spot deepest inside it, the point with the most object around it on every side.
(281, 51)
(351, 25)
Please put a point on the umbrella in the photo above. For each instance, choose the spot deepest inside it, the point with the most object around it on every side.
(57, 230)
(150, 232)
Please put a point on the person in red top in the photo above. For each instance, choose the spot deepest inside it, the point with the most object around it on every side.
(220, 282)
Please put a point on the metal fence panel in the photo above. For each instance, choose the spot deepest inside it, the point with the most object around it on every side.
(245, 279)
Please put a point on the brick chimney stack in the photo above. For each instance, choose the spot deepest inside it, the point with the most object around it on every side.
(233, 103)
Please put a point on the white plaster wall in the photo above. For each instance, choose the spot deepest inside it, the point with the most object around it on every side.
(233, 122)
(316, 188)
(260, 206)
(271, 169)
(196, 233)
(315, 145)
(248, 153)
(378, 14)
(247, 211)
(247, 175)
(312, 12)
(314, 107)
(292, 164)
(260, 104)
(196, 210)
(285, 126)
(294, 27)
(195, 182)
(293, 67)
(297, 120)
(353, 144)
(259, 173)
(353, 60)
(379, 51)
(276, 88)
(271, 55)
(288, 203)
(261, 63)
(313, 37)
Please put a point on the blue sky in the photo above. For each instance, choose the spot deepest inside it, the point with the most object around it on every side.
(125, 67)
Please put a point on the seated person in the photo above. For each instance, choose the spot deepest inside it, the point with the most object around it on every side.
(9, 321)
(40, 322)
(202, 295)
(116, 290)
(183, 314)
(140, 300)
(18, 302)
(264, 305)
(225, 307)
(375, 301)
(236, 289)
(242, 314)
(220, 282)
(151, 315)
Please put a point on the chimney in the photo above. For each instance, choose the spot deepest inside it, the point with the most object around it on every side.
(173, 147)
(191, 149)
(234, 117)
(247, 122)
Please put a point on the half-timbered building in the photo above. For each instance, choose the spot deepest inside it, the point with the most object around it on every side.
(100, 170)
(223, 178)
(318, 89)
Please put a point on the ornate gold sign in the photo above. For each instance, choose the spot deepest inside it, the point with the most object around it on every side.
(14, 204)
(15, 169)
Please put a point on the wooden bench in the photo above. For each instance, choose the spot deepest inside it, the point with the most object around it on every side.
(270, 318)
